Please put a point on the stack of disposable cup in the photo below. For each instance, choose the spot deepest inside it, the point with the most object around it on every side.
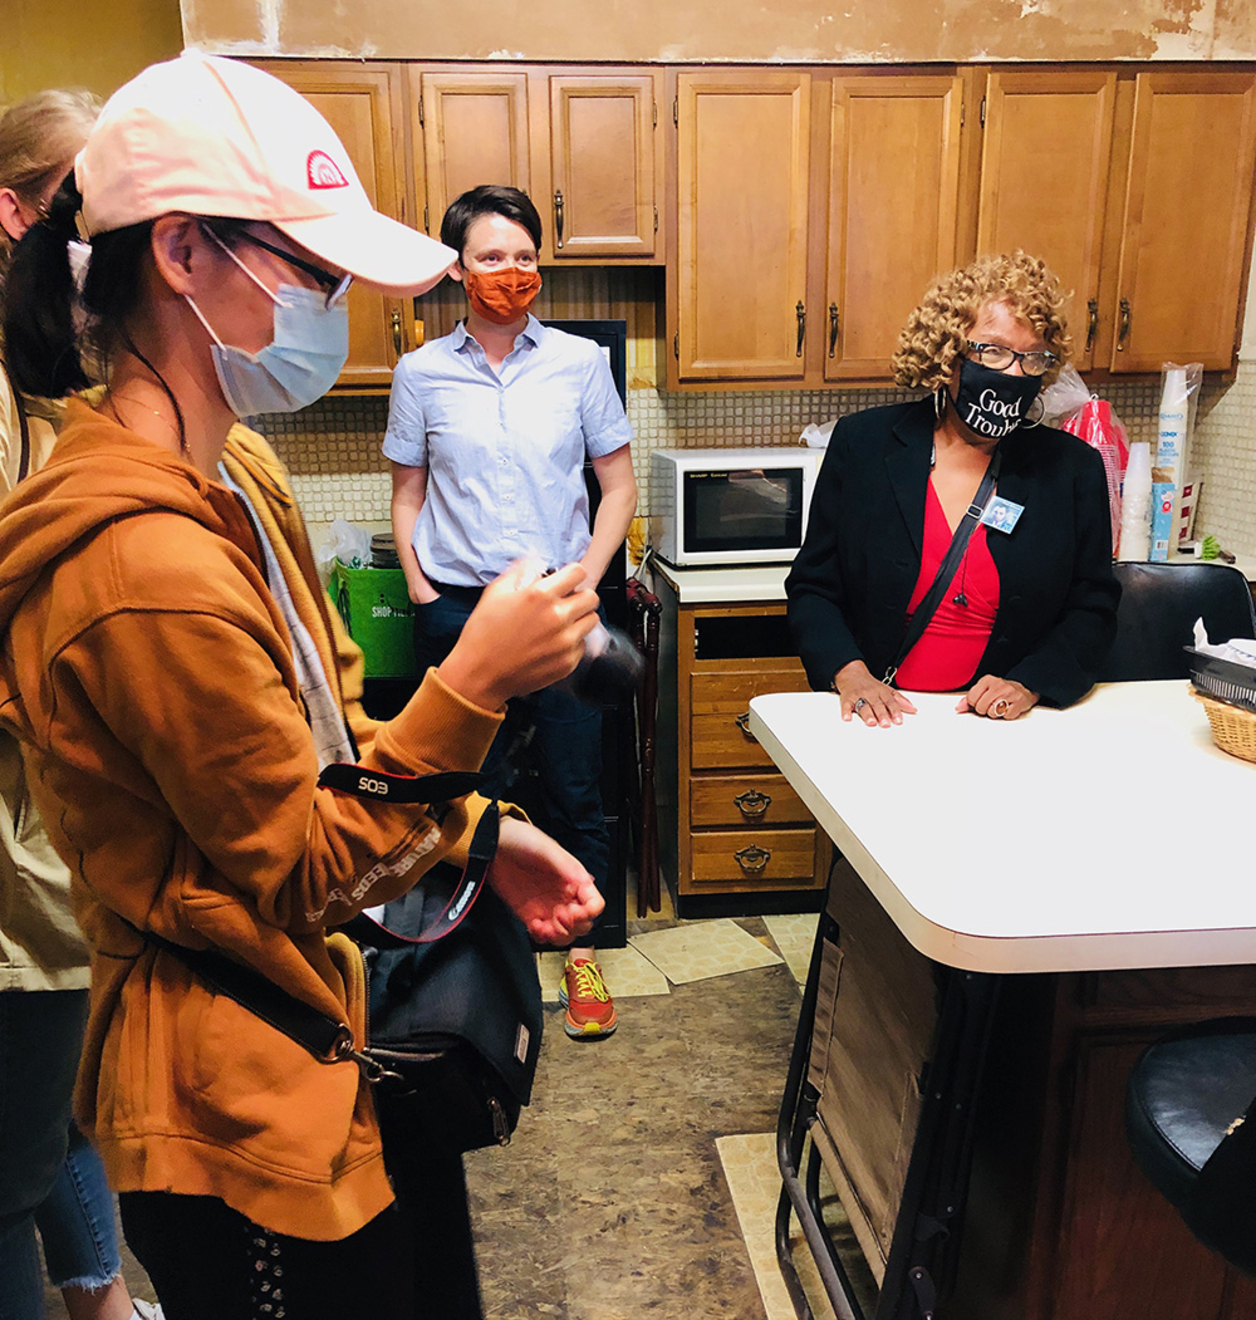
(1135, 543)
(1169, 471)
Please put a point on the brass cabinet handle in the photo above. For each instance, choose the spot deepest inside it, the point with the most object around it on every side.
(752, 859)
(1123, 333)
(558, 217)
(1092, 322)
(396, 324)
(834, 325)
(752, 804)
(801, 313)
(743, 723)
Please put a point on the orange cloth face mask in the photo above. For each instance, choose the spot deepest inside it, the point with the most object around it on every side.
(502, 296)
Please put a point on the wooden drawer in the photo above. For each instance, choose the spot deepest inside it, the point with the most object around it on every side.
(718, 701)
(790, 863)
(764, 800)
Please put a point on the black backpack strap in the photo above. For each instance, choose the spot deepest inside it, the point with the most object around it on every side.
(327, 1039)
(959, 543)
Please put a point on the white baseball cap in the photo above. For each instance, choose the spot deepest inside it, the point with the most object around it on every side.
(215, 137)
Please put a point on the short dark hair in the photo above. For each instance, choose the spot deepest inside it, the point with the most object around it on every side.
(488, 199)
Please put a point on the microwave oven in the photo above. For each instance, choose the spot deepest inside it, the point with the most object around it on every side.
(730, 506)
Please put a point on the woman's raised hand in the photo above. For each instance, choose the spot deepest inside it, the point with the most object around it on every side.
(526, 633)
(873, 701)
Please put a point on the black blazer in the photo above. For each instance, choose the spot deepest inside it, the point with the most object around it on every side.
(852, 581)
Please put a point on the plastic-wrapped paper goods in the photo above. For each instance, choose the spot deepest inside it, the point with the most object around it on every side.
(1168, 473)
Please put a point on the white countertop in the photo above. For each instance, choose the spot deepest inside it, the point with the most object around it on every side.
(734, 586)
(725, 586)
(1110, 835)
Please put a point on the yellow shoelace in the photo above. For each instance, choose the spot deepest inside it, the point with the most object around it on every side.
(589, 983)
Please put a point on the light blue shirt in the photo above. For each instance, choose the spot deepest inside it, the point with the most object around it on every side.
(504, 452)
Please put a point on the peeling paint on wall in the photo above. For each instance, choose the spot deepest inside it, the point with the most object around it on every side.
(808, 31)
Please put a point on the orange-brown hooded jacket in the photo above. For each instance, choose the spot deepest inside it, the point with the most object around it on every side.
(147, 671)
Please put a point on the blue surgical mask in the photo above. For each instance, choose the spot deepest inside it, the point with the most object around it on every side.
(306, 354)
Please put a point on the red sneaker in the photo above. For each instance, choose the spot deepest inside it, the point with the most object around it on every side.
(590, 1009)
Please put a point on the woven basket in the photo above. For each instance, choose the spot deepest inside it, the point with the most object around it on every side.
(1233, 730)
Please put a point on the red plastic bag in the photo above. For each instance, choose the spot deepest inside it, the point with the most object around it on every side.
(1069, 404)
(1098, 425)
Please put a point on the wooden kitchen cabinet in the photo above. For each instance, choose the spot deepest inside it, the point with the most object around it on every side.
(1044, 181)
(471, 128)
(1185, 228)
(606, 166)
(812, 213)
(732, 831)
(737, 305)
(1136, 188)
(364, 104)
(582, 145)
(893, 187)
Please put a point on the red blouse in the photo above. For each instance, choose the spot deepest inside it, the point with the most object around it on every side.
(945, 658)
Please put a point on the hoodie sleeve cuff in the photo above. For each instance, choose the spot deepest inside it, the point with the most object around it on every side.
(438, 729)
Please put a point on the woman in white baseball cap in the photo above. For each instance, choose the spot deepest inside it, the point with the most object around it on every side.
(169, 663)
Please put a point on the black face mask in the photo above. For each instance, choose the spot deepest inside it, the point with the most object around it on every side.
(990, 403)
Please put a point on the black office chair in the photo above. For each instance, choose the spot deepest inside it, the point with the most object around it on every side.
(1191, 1121)
(1159, 606)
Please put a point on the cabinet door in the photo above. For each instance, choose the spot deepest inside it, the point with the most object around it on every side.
(1187, 204)
(363, 105)
(1044, 180)
(474, 129)
(742, 172)
(604, 162)
(893, 194)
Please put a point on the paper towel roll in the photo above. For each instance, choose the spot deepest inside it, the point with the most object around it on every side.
(1171, 446)
(1135, 541)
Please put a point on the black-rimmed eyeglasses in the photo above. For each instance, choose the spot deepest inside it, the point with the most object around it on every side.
(334, 286)
(999, 358)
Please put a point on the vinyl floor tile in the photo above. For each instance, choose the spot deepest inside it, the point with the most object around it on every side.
(794, 934)
(755, 1183)
(698, 950)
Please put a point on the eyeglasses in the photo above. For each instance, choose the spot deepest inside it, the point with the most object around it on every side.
(1000, 358)
(334, 286)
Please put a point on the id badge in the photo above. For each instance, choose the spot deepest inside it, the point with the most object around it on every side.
(1002, 515)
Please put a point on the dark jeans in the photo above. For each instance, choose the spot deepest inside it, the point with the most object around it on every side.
(50, 1177)
(415, 1261)
(562, 761)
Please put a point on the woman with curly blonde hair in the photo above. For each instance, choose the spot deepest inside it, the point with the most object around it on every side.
(954, 544)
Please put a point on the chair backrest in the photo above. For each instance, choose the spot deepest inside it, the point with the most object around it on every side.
(1159, 606)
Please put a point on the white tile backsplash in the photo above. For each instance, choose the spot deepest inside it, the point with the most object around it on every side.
(333, 448)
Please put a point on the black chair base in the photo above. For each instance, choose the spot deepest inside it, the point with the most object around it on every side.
(1187, 1094)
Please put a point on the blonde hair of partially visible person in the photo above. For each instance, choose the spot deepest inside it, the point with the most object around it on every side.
(39, 138)
(934, 338)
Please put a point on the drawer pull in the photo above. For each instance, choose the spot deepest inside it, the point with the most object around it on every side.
(752, 804)
(743, 723)
(752, 859)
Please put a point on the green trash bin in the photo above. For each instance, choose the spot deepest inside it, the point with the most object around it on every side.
(376, 608)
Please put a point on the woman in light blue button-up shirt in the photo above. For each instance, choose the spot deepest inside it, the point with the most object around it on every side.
(488, 431)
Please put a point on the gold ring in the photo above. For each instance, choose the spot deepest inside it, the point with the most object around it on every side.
(1000, 707)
